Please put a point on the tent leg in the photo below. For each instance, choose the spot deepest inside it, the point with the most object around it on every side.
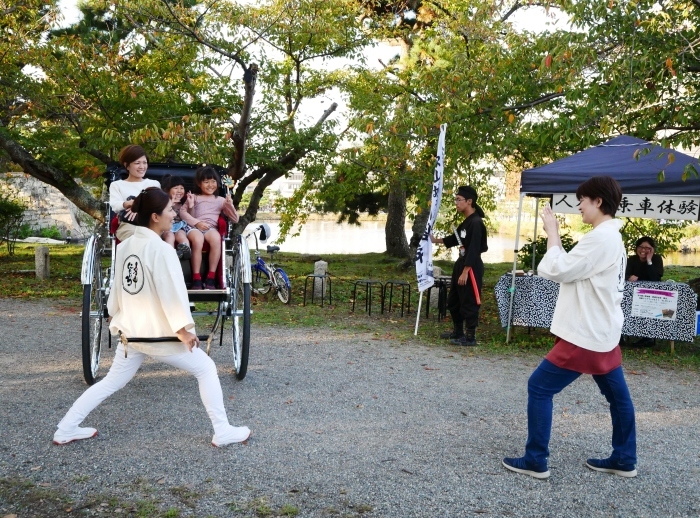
(420, 302)
(534, 236)
(515, 264)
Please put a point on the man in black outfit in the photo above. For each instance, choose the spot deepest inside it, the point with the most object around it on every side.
(464, 299)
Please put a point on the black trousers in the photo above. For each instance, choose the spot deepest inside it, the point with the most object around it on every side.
(461, 301)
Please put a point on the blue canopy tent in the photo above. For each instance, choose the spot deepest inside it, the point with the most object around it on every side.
(616, 158)
(633, 162)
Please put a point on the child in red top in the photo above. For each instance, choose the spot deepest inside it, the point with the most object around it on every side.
(201, 212)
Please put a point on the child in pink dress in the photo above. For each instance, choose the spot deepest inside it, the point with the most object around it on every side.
(201, 212)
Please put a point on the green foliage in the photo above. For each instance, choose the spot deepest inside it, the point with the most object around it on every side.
(525, 252)
(51, 233)
(11, 215)
(288, 510)
(25, 230)
(667, 235)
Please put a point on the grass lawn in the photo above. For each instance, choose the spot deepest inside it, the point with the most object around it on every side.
(17, 279)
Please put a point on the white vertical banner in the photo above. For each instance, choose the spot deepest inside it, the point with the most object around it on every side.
(424, 252)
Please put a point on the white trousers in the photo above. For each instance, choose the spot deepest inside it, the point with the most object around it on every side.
(123, 369)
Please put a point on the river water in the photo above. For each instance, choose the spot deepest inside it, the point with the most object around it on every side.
(328, 237)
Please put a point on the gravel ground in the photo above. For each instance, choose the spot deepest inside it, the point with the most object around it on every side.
(342, 425)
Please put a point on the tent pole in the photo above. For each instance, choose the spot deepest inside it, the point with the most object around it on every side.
(515, 264)
(534, 236)
(420, 302)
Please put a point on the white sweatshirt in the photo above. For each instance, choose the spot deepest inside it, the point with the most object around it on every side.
(120, 190)
(149, 297)
(592, 281)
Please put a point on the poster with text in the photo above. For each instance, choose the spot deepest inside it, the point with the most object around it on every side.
(651, 303)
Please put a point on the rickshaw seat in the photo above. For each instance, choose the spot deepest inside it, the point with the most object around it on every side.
(221, 226)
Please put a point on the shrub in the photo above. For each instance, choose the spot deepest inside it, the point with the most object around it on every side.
(11, 216)
(25, 230)
(51, 233)
(525, 252)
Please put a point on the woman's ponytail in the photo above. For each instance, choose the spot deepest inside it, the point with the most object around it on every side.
(151, 201)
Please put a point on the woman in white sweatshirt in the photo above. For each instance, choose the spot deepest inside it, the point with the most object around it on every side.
(587, 323)
(149, 300)
(123, 192)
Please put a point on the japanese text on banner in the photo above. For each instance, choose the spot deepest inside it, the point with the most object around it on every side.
(424, 252)
(639, 206)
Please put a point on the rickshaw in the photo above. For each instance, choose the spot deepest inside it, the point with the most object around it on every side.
(234, 276)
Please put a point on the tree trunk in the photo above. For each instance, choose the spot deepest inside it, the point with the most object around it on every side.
(394, 233)
(55, 177)
(236, 168)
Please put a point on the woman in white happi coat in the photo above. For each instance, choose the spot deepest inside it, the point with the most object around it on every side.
(149, 300)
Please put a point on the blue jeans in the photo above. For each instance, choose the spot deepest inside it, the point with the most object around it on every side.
(548, 380)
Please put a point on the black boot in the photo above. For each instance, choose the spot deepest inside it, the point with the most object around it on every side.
(470, 338)
(459, 338)
(456, 330)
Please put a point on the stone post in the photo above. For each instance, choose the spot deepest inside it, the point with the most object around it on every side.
(320, 268)
(41, 261)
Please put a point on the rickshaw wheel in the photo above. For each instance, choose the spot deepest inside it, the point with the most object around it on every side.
(241, 319)
(93, 315)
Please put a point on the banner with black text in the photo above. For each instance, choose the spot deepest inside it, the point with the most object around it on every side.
(424, 252)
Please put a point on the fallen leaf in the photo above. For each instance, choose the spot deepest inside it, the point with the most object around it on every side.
(161, 481)
(35, 468)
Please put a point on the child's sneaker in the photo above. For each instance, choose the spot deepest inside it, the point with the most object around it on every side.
(183, 251)
(611, 466)
(61, 437)
(233, 435)
(211, 284)
(197, 284)
(520, 466)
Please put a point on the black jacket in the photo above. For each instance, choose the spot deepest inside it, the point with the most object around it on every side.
(644, 271)
(472, 232)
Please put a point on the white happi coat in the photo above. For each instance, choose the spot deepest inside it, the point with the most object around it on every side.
(149, 297)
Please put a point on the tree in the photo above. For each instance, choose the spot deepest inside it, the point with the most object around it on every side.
(624, 68)
(458, 62)
(161, 74)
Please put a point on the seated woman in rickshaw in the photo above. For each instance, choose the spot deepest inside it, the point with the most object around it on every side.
(123, 192)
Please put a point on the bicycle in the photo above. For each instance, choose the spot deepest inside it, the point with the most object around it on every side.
(267, 276)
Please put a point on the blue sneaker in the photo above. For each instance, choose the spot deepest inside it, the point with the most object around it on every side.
(520, 466)
(611, 466)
